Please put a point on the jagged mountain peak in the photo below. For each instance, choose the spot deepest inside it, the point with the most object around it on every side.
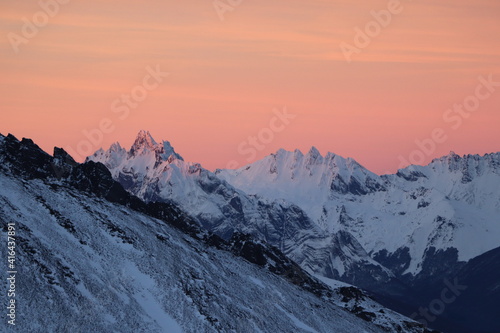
(467, 167)
(145, 143)
(116, 147)
(167, 151)
(145, 150)
(300, 178)
(283, 153)
(10, 136)
(330, 155)
(144, 138)
(61, 154)
(462, 167)
(453, 158)
(313, 151)
(313, 156)
(297, 159)
(296, 152)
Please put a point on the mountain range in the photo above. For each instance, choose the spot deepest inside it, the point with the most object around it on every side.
(291, 243)
(396, 236)
(91, 257)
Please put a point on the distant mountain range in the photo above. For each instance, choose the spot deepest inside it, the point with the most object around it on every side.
(391, 234)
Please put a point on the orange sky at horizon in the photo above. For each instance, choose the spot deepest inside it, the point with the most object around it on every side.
(227, 78)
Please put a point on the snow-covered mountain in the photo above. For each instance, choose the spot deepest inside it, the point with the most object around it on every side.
(146, 171)
(453, 203)
(423, 223)
(390, 234)
(91, 257)
(450, 204)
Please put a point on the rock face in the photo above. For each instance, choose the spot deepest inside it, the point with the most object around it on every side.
(92, 257)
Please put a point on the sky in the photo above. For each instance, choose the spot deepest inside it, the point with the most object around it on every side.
(228, 82)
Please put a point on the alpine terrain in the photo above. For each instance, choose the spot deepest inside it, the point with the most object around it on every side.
(407, 239)
(92, 257)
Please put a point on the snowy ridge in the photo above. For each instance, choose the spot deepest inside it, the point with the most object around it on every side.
(308, 180)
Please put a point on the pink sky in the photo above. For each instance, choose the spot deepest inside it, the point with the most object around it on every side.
(226, 77)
